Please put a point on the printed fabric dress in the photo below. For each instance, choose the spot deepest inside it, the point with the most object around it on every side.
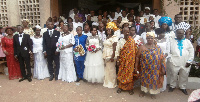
(40, 64)
(29, 31)
(94, 65)
(152, 64)
(13, 65)
(67, 70)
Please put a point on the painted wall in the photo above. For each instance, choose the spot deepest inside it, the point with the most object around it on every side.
(171, 8)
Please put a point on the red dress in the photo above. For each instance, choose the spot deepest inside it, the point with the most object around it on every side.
(13, 65)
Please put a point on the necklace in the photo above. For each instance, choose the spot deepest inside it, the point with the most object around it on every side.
(10, 37)
(64, 34)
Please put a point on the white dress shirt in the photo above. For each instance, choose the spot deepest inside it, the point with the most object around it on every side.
(102, 35)
(75, 25)
(94, 18)
(118, 14)
(112, 19)
(20, 38)
(88, 34)
(51, 31)
(124, 18)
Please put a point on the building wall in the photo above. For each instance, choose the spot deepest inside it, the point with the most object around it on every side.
(13, 12)
(171, 8)
(44, 11)
(37, 11)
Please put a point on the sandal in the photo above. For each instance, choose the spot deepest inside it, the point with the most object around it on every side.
(153, 96)
(131, 92)
(142, 94)
(119, 90)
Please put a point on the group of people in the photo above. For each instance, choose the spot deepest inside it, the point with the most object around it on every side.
(114, 50)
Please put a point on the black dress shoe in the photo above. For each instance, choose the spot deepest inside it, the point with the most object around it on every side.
(171, 89)
(184, 91)
(29, 79)
(51, 78)
(78, 79)
(84, 80)
(22, 79)
(56, 78)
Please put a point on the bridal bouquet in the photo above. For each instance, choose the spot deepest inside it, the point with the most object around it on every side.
(59, 45)
(91, 48)
(81, 51)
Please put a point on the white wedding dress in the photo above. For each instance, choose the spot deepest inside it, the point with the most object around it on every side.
(67, 70)
(94, 65)
(40, 64)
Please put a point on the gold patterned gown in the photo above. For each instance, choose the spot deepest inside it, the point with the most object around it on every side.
(109, 69)
(29, 31)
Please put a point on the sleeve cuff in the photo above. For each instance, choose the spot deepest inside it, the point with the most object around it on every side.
(189, 61)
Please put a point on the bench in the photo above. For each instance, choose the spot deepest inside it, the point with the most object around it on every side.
(2, 64)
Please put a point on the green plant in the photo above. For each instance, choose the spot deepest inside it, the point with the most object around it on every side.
(195, 70)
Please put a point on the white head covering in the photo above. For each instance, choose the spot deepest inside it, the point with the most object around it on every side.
(147, 8)
(183, 25)
(38, 27)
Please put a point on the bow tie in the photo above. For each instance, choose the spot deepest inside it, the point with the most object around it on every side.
(20, 35)
(137, 24)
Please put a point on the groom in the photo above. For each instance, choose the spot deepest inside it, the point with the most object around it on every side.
(50, 38)
(22, 50)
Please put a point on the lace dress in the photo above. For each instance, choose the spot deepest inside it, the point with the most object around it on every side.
(94, 69)
(67, 70)
(110, 80)
(13, 65)
(40, 64)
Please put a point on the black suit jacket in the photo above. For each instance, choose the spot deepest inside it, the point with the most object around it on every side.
(25, 47)
(49, 43)
(141, 29)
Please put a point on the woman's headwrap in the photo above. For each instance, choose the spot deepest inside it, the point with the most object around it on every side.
(183, 25)
(112, 25)
(38, 27)
(27, 20)
(150, 34)
(166, 20)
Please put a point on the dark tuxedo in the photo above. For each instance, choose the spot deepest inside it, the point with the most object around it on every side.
(22, 53)
(141, 29)
(49, 46)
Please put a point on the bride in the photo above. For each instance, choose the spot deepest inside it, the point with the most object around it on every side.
(94, 66)
(67, 70)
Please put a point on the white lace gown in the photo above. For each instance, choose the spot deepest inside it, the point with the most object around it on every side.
(67, 70)
(40, 64)
(94, 65)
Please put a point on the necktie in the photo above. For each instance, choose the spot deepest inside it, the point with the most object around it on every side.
(20, 35)
(50, 33)
(137, 24)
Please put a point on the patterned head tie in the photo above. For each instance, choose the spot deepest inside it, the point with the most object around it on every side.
(112, 25)
(27, 20)
(150, 34)
(38, 27)
(65, 23)
(184, 26)
(166, 20)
